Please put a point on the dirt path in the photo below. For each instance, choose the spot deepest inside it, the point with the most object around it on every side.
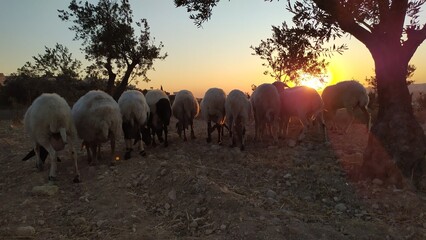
(195, 190)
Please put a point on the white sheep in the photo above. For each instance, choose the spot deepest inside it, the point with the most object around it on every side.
(49, 123)
(213, 110)
(238, 114)
(135, 112)
(185, 108)
(349, 95)
(97, 119)
(304, 103)
(160, 114)
(266, 104)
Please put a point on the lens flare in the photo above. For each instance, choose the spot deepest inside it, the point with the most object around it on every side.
(317, 83)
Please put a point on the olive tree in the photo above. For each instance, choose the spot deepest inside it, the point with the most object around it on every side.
(290, 53)
(392, 32)
(55, 62)
(111, 42)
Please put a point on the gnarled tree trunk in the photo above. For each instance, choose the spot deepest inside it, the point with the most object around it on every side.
(397, 144)
(124, 82)
(111, 77)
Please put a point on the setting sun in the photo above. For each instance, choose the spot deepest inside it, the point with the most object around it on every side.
(317, 83)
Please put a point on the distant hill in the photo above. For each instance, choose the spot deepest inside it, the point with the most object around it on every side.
(416, 89)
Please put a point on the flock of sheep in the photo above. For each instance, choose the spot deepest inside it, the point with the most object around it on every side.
(97, 118)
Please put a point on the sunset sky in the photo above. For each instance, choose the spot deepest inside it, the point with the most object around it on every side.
(216, 55)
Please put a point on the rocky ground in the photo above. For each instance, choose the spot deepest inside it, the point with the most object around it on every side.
(196, 190)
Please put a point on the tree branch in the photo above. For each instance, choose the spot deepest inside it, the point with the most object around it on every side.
(398, 11)
(415, 37)
(344, 18)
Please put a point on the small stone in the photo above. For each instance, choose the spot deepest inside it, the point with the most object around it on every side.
(100, 223)
(287, 176)
(215, 147)
(25, 231)
(375, 206)
(341, 207)
(167, 206)
(377, 182)
(223, 227)
(193, 224)
(79, 221)
(271, 194)
(209, 231)
(172, 194)
(41, 222)
(46, 190)
(291, 143)
(163, 172)
(135, 183)
(69, 212)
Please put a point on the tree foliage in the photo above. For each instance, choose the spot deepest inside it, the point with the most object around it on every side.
(290, 53)
(55, 62)
(110, 40)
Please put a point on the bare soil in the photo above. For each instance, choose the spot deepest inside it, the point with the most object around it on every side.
(197, 190)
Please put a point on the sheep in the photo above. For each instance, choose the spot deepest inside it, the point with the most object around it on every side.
(160, 113)
(238, 113)
(265, 101)
(302, 102)
(185, 108)
(213, 110)
(49, 124)
(135, 112)
(349, 95)
(97, 118)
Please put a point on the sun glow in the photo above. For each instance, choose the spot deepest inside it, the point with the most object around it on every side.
(317, 83)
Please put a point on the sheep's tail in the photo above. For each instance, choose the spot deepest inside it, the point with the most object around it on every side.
(63, 133)
(270, 115)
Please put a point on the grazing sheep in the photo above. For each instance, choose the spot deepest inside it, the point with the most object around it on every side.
(349, 95)
(265, 101)
(159, 118)
(238, 113)
(48, 122)
(97, 118)
(213, 110)
(185, 108)
(302, 102)
(135, 112)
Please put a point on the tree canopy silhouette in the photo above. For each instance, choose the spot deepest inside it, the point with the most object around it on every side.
(291, 52)
(392, 32)
(110, 41)
(55, 62)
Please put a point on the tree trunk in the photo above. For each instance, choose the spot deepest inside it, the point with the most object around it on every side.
(124, 82)
(396, 145)
(111, 77)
